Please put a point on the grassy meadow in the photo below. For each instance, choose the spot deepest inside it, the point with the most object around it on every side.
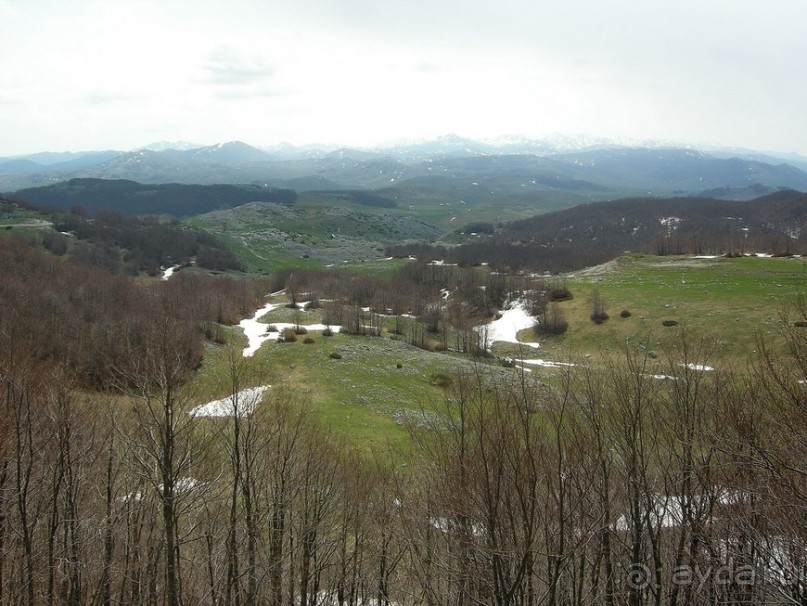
(369, 390)
(723, 303)
(376, 387)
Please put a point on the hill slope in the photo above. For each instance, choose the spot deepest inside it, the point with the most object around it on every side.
(134, 198)
(593, 233)
(492, 182)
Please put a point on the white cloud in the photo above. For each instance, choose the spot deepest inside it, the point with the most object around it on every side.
(93, 73)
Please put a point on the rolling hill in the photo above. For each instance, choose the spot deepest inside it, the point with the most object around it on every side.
(133, 198)
(593, 233)
(509, 179)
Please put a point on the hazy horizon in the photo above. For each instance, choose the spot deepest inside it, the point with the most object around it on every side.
(95, 75)
(565, 143)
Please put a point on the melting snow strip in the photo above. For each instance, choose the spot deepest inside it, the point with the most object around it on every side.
(244, 403)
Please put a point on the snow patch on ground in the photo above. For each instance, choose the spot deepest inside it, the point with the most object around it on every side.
(255, 331)
(243, 403)
(281, 326)
(506, 328)
(699, 367)
(167, 273)
(181, 486)
(545, 363)
(662, 377)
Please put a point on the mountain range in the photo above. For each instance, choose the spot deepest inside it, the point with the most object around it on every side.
(511, 177)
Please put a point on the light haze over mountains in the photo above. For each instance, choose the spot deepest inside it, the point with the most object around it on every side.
(359, 73)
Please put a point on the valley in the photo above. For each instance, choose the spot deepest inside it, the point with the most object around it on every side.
(316, 387)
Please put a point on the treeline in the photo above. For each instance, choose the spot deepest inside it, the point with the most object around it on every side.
(363, 197)
(128, 245)
(621, 486)
(88, 321)
(507, 256)
(132, 198)
(590, 234)
(616, 486)
(431, 306)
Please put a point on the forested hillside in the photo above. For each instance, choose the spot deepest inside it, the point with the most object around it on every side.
(623, 480)
(133, 198)
(149, 458)
(593, 233)
(129, 245)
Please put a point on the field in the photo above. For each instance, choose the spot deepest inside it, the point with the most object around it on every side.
(269, 237)
(723, 303)
(370, 390)
(325, 229)
(377, 386)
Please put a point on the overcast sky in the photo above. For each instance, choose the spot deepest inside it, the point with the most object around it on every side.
(114, 74)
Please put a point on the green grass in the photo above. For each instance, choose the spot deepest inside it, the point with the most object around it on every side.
(380, 385)
(272, 237)
(369, 396)
(725, 301)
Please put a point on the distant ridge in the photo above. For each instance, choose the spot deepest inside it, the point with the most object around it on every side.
(590, 234)
(233, 152)
(175, 145)
(131, 198)
(530, 174)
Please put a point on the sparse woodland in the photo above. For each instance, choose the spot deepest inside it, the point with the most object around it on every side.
(589, 234)
(609, 487)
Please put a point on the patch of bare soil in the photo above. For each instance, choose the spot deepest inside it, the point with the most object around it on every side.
(684, 263)
(598, 271)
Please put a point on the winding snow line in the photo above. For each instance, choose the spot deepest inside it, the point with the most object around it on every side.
(244, 402)
(255, 331)
(662, 377)
(281, 326)
(506, 328)
(699, 367)
(545, 363)
(169, 271)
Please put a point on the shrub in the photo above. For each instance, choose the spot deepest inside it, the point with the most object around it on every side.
(597, 303)
(215, 332)
(327, 332)
(308, 340)
(560, 293)
(398, 365)
(624, 313)
(557, 326)
(553, 322)
(300, 330)
(271, 328)
(441, 379)
(669, 323)
(335, 355)
(800, 324)
(288, 335)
